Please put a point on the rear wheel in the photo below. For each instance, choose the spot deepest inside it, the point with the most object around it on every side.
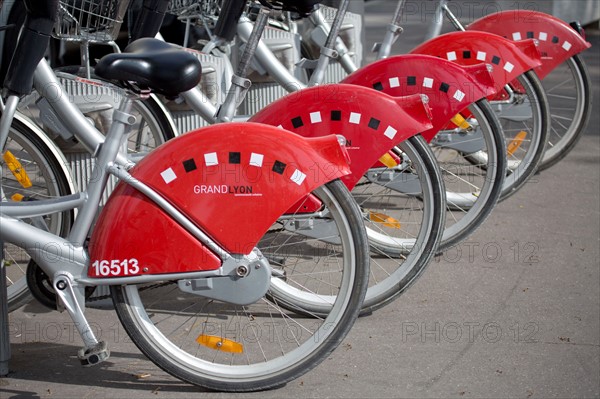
(229, 347)
(568, 90)
(473, 184)
(403, 211)
(525, 120)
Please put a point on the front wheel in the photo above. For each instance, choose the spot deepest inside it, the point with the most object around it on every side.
(229, 347)
(27, 151)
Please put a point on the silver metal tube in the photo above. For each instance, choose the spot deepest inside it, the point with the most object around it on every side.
(30, 209)
(337, 24)
(398, 13)
(252, 42)
(51, 252)
(196, 99)
(7, 116)
(95, 189)
(268, 61)
(148, 278)
(343, 57)
(435, 27)
(455, 22)
(392, 32)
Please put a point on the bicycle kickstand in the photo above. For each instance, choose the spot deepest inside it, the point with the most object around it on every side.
(95, 351)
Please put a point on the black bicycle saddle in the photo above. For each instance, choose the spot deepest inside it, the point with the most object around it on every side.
(152, 64)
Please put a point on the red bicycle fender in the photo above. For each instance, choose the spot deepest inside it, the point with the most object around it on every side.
(232, 180)
(557, 41)
(508, 59)
(372, 123)
(449, 87)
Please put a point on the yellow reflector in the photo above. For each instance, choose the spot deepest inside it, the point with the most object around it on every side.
(384, 219)
(516, 142)
(17, 197)
(388, 160)
(17, 170)
(461, 122)
(220, 343)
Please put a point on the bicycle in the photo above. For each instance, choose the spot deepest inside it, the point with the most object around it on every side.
(74, 162)
(212, 278)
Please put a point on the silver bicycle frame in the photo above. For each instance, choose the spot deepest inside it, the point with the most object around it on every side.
(66, 259)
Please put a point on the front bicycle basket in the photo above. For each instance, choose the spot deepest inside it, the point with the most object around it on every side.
(90, 20)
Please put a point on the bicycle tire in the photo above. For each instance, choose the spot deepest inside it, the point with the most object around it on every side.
(525, 120)
(472, 189)
(267, 365)
(524, 162)
(563, 136)
(48, 176)
(397, 261)
(398, 254)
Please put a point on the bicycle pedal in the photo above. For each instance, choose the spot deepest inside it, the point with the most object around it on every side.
(94, 355)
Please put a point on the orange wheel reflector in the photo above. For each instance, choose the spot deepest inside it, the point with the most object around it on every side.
(17, 197)
(220, 343)
(388, 160)
(17, 169)
(384, 220)
(461, 122)
(516, 142)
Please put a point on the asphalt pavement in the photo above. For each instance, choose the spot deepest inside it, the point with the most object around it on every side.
(512, 312)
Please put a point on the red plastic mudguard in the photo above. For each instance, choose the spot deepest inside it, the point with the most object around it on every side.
(557, 41)
(450, 87)
(232, 180)
(508, 59)
(371, 122)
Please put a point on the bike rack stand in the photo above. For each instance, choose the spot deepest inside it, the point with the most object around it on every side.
(4, 336)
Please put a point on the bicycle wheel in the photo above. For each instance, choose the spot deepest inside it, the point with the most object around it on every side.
(472, 186)
(525, 120)
(403, 212)
(47, 177)
(262, 345)
(568, 90)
